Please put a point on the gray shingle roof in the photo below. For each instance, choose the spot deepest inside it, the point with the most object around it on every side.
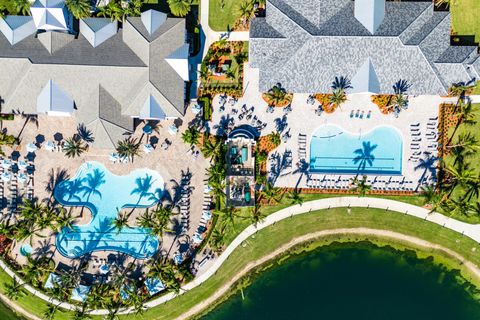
(315, 41)
(103, 81)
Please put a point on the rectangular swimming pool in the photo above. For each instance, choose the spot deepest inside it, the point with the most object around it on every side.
(335, 151)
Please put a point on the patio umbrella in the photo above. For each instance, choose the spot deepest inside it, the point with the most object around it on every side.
(197, 238)
(196, 108)
(22, 177)
(22, 165)
(6, 176)
(31, 147)
(49, 145)
(178, 258)
(147, 129)
(154, 285)
(6, 163)
(104, 269)
(173, 129)
(147, 148)
(113, 157)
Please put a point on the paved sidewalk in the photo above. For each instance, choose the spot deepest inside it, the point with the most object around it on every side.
(397, 207)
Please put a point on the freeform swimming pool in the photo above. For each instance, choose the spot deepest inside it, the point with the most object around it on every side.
(333, 150)
(105, 194)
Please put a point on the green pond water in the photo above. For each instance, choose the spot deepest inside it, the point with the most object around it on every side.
(353, 282)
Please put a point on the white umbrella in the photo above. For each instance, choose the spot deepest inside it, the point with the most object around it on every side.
(173, 129)
(197, 238)
(22, 164)
(31, 147)
(22, 178)
(6, 163)
(147, 148)
(113, 157)
(6, 176)
(49, 145)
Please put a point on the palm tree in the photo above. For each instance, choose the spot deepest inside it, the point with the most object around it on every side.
(135, 7)
(295, 197)
(179, 8)
(472, 189)
(245, 11)
(364, 156)
(74, 147)
(398, 102)
(22, 7)
(256, 215)
(79, 8)
(458, 89)
(228, 215)
(191, 136)
(14, 290)
(213, 149)
(342, 83)
(277, 95)
(459, 176)
(360, 186)
(82, 131)
(442, 2)
(275, 138)
(430, 196)
(121, 221)
(50, 311)
(270, 193)
(6, 140)
(217, 239)
(128, 148)
(216, 173)
(458, 207)
(338, 97)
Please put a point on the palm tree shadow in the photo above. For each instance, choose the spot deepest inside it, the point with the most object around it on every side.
(55, 178)
(364, 156)
(94, 181)
(224, 125)
(429, 165)
(143, 186)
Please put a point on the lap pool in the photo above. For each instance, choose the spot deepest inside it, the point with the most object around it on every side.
(105, 194)
(333, 150)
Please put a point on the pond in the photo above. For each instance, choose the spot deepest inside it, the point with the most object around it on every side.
(353, 282)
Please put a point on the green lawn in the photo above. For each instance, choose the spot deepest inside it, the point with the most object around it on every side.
(466, 17)
(282, 232)
(222, 14)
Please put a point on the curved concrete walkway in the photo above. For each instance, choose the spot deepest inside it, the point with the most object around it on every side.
(469, 230)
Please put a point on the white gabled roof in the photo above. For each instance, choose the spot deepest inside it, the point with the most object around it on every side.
(153, 19)
(151, 110)
(17, 28)
(370, 13)
(54, 100)
(49, 14)
(97, 30)
(366, 80)
(178, 60)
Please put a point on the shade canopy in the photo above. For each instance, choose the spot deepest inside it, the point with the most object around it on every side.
(154, 285)
(54, 101)
(52, 280)
(17, 28)
(152, 20)
(152, 110)
(50, 15)
(178, 60)
(80, 293)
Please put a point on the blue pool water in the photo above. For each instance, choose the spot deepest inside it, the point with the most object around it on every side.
(105, 194)
(333, 150)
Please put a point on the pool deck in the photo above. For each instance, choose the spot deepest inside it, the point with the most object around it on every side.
(303, 120)
(170, 164)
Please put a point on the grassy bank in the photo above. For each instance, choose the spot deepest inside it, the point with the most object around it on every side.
(283, 232)
(222, 14)
(465, 18)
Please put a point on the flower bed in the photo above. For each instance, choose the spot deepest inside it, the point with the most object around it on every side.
(324, 99)
(383, 102)
(286, 101)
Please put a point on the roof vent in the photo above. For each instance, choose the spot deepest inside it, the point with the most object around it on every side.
(370, 13)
